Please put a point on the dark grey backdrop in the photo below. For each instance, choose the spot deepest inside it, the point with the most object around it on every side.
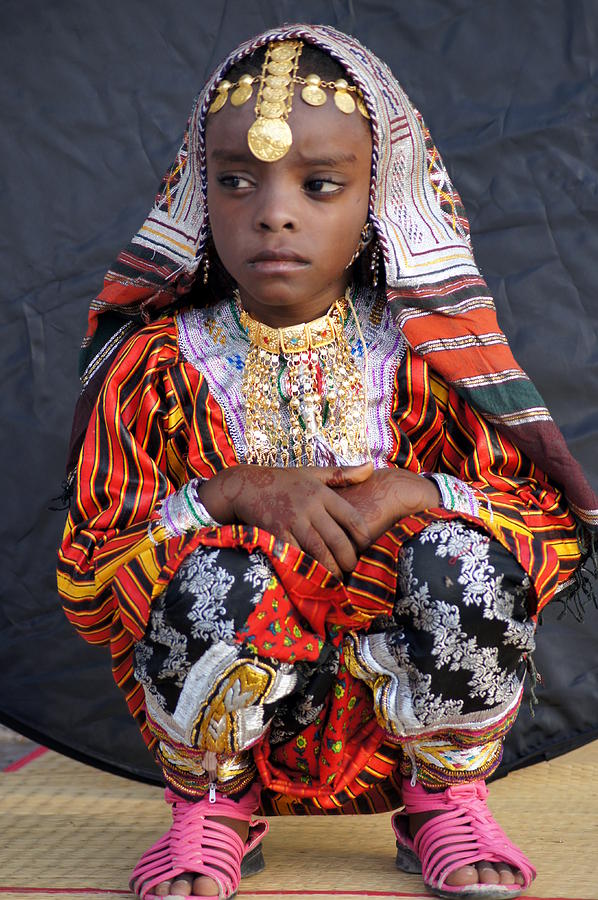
(94, 98)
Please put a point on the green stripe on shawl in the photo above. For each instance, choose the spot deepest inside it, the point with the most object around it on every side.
(502, 399)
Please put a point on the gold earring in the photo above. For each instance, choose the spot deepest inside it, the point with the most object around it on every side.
(206, 266)
(365, 238)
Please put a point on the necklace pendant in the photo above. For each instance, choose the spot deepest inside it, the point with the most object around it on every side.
(294, 339)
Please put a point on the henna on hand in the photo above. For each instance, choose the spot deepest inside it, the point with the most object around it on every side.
(299, 505)
(390, 495)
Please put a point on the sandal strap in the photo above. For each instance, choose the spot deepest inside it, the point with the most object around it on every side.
(242, 809)
(463, 833)
(196, 843)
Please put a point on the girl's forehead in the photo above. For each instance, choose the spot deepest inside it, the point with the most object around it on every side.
(324, 131)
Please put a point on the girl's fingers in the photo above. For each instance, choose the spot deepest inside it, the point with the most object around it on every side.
(349, 519)
(358, 474)
(312, 542)
(342, 476)
(288, 538)
(332, 545)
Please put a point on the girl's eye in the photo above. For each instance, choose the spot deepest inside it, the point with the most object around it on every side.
(234, 181)
(322, 186)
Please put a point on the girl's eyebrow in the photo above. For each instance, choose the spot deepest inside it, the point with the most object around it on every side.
(326, 162)
(230, 156)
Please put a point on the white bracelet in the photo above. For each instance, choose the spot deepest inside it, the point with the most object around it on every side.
(183, 511)
(150, 533)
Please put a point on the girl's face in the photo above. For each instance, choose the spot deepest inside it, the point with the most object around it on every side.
(286, 230)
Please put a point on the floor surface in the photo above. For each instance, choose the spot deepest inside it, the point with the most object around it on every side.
(70, 831)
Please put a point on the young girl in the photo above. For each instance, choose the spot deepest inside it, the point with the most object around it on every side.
(318, 504)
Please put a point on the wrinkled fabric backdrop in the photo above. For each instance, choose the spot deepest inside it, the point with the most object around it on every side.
(94, 102)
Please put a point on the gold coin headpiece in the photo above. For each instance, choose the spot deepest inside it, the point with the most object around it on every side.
(270, 136)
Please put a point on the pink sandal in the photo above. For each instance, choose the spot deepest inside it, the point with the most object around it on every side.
(198, 844)
(463, 834)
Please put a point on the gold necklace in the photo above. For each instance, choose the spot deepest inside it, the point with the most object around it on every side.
(303, 392)
(297, 338)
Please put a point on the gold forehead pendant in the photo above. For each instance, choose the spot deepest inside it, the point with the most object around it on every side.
(270, 137)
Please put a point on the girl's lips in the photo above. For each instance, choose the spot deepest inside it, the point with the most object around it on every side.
(277, 266)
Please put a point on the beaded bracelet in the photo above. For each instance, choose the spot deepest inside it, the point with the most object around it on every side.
(183, 511)
(455, 495)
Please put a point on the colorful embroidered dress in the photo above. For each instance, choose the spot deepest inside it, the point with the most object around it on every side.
(445, 396)
(171, 410)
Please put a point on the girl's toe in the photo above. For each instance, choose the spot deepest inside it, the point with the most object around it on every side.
(507, 874)
(181, 886)
(488, 874)
(464, 875)
(204, 886)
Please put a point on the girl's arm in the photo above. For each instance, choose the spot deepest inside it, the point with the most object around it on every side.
(108, 560)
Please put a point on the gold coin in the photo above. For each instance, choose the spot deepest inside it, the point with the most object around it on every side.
(272, 109)
(269, 139)
(241, 94)
(271, 92)
(313, 95)
(362, 107)
(280, 66)
(278, 81)
(283, 51)
(218, 101)
(344, 101)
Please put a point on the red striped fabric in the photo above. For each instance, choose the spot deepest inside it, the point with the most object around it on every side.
(156, 426)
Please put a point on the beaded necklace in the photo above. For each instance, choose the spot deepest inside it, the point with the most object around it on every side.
(309, 368)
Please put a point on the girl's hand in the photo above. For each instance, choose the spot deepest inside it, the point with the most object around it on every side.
(389, 495)
(302, 506)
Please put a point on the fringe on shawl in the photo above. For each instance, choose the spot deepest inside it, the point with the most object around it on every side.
(582, 590)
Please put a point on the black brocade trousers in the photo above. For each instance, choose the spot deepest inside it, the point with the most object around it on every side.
(443, 674)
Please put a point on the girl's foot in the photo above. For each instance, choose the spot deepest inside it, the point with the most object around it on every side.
(200, 885)
(480, 873)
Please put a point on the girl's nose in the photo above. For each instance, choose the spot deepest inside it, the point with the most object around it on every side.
(275, 210)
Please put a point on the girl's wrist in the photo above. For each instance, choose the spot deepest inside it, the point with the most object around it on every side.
(432, 497)
(211, 495)
(455, 495)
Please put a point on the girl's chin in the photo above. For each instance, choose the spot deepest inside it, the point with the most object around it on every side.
(282, 307)
(274, 293)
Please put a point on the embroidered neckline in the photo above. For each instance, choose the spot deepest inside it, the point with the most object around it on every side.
(213, 341)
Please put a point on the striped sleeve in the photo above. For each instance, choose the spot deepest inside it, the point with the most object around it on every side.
(518, 504)
(109, 568)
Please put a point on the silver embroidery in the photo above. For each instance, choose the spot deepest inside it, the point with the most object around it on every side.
(481, 586)
(258, 574)
(404, 698)
(176, 665)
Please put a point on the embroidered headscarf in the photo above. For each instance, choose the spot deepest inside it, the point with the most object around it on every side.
(441, 301)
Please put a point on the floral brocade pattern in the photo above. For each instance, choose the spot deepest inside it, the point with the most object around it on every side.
(453, 654)
(229, 664)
